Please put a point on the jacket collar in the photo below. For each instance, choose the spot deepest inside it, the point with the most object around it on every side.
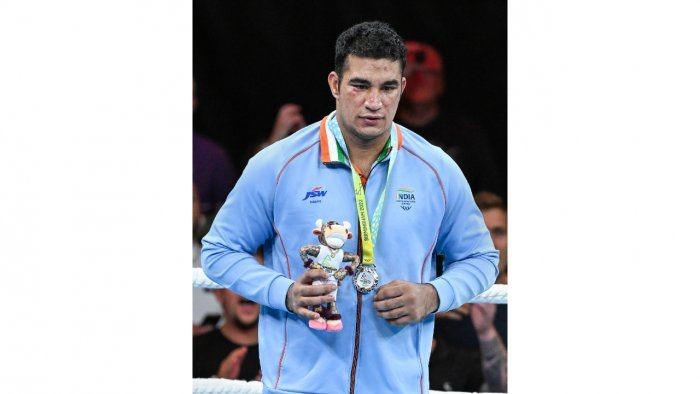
(331, 153)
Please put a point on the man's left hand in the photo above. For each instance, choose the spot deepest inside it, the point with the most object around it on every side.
(401, 302)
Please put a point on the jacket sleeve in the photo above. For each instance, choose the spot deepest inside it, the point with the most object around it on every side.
(243, 223)
(471, 261)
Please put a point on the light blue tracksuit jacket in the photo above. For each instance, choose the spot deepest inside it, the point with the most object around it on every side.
(428, 209)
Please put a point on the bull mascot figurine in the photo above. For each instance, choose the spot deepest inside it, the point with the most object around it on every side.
(329, 256)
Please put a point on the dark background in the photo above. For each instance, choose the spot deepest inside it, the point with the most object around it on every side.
(250, 57)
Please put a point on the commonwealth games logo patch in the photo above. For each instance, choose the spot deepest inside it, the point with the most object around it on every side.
(405, 197)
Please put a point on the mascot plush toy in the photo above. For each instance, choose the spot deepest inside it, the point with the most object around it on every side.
(329, 256)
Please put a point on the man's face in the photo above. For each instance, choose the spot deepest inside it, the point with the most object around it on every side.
(368, 95)
(496, 222)
(238, 310)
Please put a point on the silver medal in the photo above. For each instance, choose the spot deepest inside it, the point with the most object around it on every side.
(366, 279)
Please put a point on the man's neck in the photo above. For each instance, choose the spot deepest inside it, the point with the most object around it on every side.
(418, 115)
(363, 153)
(239, 335)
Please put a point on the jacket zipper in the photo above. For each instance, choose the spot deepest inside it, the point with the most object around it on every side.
(358, 318)
(358, 311)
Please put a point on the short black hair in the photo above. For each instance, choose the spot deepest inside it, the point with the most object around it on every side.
(374, 40)
(486, 200)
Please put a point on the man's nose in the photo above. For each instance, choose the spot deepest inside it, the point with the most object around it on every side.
(373, 102)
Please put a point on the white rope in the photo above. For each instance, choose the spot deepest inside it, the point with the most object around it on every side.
(226, 386)
(497, 294)
(202, 281)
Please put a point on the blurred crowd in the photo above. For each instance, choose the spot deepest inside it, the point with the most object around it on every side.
(469, 350)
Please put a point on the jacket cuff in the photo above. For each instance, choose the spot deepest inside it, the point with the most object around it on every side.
(446, 296)
(277, 296)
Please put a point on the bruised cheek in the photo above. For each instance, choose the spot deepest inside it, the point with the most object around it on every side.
(355, 97)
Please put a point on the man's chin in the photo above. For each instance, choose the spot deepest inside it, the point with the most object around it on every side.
(370, 133)
(246, 325)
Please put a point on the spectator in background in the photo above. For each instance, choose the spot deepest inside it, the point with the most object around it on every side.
(198, 226)
(455, 367)
(469, 350)
(212, 172)
(231, 351)
(481, 365)
(496, 218)
(205, 308)
(494, 356)
(289, 119)
(462, 138)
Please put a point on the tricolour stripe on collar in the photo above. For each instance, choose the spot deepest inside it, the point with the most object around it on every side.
(329, 147)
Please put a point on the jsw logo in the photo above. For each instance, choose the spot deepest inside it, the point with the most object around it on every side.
(315, 192)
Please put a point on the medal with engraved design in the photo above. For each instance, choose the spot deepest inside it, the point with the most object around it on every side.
(366, 278)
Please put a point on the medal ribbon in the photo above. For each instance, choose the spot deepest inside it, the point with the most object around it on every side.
(369, 232)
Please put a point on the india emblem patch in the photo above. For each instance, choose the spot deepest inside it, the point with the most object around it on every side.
(405, 197)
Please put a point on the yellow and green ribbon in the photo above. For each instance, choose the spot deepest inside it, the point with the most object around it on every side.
(369, 231)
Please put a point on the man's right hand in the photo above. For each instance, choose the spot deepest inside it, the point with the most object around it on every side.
(303, 294)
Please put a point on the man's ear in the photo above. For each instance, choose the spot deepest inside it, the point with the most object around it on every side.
(403, 84)
(334, 84)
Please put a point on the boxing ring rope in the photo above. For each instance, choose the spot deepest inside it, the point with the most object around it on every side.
(497, 294)
(226, 386)
(200, 280)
